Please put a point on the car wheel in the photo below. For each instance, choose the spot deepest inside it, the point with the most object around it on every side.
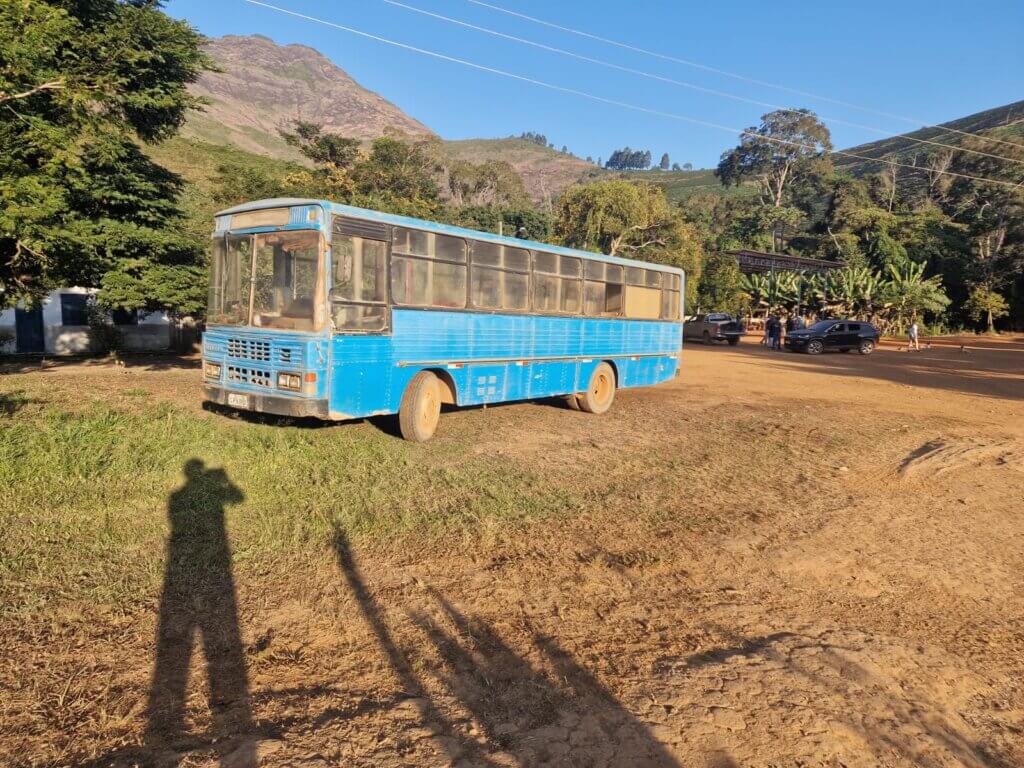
(420, 410)
(733, 342)
(867, 346)
(706, 338)
(600, 392)
(815, 347)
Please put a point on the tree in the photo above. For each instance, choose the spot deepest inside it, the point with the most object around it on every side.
(80, 84)
(336, 152)
(493, 182)
(772, 154)
(627, 159)
(993, 214)
(687, 166)
(628, 219)
(909, 294)
(720, 287)
(236, 183)
(664, 164)
(565, 149)
(534, 138)
(983, 303)
(523, 221)
(675, 167)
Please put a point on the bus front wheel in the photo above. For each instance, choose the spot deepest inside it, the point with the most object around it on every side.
(600, 392)
(421, 408)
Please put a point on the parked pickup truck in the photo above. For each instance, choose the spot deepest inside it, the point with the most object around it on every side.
(714, 326)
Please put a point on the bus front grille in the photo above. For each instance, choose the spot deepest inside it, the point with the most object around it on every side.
(254, 376)
(246, 349)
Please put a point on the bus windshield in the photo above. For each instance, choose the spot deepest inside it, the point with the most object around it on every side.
(269, 280)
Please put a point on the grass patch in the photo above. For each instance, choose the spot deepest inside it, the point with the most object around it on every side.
(84, 496)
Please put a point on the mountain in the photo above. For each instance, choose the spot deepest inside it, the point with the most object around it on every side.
(1005, 122)
(545, 171)
(263, 86)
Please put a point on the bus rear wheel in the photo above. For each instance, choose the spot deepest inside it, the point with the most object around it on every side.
(420, 410)
(600, 393)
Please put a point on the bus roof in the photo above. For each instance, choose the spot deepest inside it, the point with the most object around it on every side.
(445, 229)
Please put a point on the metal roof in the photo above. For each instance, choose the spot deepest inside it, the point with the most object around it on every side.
(432, 226)
(765, 261)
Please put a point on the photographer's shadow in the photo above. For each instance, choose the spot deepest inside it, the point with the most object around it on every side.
(199, 598)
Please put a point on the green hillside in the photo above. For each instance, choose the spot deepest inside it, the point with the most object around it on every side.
(679, 185)
(1005, 122)
(197, 161)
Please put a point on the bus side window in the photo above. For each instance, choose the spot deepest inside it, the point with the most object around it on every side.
(670, 298)
(557, 284)
(500, 277)
(602, 289)
(428, 269)
(642, 299)
(358, 289)
(569, 268)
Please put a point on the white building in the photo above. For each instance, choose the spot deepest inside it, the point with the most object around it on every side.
(60, 326)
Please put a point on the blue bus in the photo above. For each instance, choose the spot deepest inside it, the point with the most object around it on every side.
(326, 310)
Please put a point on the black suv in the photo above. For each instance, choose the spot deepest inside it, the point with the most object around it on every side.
(843, 335)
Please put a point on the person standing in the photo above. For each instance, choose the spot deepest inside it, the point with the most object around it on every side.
(912, 334)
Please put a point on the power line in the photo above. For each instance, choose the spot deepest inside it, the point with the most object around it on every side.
(691, 86)
(735, 76)
(603, 99)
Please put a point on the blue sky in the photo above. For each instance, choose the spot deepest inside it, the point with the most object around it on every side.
(931, 61)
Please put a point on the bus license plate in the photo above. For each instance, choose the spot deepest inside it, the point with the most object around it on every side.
(238, 401)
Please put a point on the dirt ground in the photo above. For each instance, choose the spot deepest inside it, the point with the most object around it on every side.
(857, 601)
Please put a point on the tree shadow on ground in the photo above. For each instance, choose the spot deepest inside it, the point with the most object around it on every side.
(146, 361)
(832, 668)
(554, 712)
(12, 402)
(997, 374)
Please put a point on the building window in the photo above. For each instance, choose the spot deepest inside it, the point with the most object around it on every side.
(72, 309)
(125, 316)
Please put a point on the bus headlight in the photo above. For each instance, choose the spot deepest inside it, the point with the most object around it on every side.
(211, 370)
(289, 381)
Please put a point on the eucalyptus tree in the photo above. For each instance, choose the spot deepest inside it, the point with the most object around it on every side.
(787, 143)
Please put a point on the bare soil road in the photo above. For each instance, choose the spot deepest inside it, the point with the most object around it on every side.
(780, 560)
